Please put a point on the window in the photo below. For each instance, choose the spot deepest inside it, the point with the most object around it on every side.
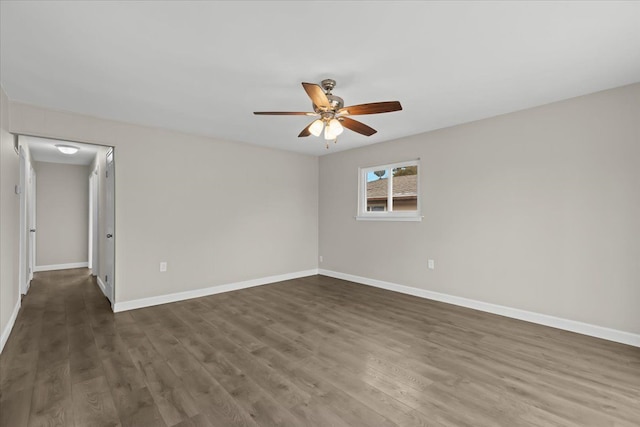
(389, 192)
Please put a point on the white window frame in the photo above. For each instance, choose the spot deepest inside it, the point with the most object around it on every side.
(391, 215)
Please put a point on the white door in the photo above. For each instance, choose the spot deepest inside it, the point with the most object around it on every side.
(109, 227)
(31, 208)
(93, 222)
(95, 228)
(23, 267)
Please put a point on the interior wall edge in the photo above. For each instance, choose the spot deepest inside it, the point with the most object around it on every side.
(596, 331)
(9, 223)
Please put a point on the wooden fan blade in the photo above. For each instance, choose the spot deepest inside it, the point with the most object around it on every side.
(284, 113)
(317, 95)
(305, 131)
(357, 126)
(371, 108)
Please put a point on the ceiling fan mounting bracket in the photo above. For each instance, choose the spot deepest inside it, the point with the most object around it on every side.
(328, 85)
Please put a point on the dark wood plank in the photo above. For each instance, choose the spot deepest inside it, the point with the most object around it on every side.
(93, 404)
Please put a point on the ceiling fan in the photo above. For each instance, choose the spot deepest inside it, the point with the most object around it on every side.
(332, 114)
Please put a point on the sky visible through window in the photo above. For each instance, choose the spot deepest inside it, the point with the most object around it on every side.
(371, 176)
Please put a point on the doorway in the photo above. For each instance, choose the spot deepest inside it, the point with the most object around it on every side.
(67, 209)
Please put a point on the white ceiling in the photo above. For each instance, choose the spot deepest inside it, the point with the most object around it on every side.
(204, 67)
(44, 150)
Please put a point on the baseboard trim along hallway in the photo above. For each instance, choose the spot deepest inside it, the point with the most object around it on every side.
(515, 313)
(53, 267)
(203, 292)
(12, 320)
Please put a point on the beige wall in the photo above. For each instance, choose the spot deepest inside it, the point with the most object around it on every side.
(217, 211)
(9, 212)
(537, 210)
(62, 213)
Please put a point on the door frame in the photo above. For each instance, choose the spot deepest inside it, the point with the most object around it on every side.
(32, 224)
(110, 225)
(22, 256)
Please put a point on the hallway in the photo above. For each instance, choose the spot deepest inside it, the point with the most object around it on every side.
(52, 347)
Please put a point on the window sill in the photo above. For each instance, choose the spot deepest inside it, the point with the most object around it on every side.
(388, 218)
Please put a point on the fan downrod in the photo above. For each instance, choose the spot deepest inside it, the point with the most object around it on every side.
(335, 102)
(328, 85)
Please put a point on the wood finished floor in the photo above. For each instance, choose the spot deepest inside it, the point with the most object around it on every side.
(308, 352)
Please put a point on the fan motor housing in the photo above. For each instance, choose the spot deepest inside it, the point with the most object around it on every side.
(335, 101)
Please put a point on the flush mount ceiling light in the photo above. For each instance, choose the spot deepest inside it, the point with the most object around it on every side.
(67, 149)
(333, 114)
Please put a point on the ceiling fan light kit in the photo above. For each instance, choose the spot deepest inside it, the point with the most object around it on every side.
(316, 127)
(333, 114)
(335, 127)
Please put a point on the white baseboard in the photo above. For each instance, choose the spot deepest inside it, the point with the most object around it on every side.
(103, 287)
(60, 266)
(529, 316)
(197, 293)
(12, 320)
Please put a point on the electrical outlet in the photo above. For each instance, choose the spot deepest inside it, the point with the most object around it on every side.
(431, 264)
(321, 258)
(163, 266)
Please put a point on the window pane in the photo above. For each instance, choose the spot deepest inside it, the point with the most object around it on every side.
(405, 188)
(377, 190)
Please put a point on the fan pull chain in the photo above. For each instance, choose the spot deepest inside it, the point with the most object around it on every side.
(335, 141)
